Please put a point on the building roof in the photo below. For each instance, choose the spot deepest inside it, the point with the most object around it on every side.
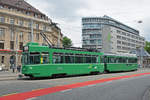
(20, 4)
(112, 19)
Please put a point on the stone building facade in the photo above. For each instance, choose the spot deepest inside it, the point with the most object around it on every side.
(18, 20)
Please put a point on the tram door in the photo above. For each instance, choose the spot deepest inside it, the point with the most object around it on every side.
(105, 63)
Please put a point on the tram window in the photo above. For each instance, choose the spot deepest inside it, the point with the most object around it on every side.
(102, 59)
(88, 59)
(78, 59)
(93, 59)
(69, 59)
(25, 58)
(34, 58)
(111, 60)
(135, 60)
(124, 60)
(132, 60)
(119, 60)
(45, 57)
(58, 58)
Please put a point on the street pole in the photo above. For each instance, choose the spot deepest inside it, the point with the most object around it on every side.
(16, 48)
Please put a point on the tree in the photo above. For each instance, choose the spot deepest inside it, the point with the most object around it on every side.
(66, 42)
(147, 47)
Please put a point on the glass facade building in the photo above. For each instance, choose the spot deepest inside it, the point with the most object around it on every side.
(109, 35)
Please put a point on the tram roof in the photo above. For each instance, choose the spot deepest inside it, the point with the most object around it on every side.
(120, 54)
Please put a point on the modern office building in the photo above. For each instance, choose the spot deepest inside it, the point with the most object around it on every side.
(109, 35)
(18, 20)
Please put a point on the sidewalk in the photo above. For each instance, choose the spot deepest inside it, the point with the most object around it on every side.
(8, 75)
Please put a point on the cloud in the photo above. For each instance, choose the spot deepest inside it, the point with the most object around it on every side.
(68, 13)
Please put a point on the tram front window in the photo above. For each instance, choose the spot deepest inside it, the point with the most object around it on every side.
(34, 58)
(25, 58)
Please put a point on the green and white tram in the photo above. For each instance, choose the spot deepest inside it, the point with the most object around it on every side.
(120, 62)
(43, 61)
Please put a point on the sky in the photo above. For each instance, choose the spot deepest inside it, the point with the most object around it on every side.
(68, 14)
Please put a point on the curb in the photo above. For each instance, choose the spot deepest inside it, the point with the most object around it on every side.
(8, 78)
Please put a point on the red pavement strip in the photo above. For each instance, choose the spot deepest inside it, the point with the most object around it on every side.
(41, 92)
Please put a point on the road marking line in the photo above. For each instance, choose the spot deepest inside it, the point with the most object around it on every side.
(91, 85)
(32, 98)
(37, 89)
(10, 94)
(46, 91)
(66, 90)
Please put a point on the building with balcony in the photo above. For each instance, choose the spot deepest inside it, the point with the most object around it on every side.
(109, 35)
(18, 20)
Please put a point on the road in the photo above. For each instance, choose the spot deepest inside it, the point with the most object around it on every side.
(134, 88)
(125, 89)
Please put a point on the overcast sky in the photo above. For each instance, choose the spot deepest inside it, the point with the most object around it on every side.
(68, 14)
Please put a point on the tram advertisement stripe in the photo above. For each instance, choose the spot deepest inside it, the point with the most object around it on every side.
(41, 92)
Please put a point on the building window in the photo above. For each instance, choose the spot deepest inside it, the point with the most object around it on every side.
(118, 42)
(118, 37)
(12, 21)
(2, 59)
(21, 35)
(12, 37)
(36, 15)
(2, 19)
(44, 27)
(29, 36)
(37, 26)
(99, 41)
(29, 24)
(37, 36)
(28, 13)
(21, 45)
(21, 22)
(118, 47)
(1, 45)
(12, 45)
(2, 33)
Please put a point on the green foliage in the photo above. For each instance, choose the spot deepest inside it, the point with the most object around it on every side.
(66, 42)
(147, 47)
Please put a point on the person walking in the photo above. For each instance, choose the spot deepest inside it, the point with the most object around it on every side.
(19, 68)
(13, 68)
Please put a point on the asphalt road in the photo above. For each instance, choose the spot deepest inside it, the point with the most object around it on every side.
(126, 89)
(135, 88)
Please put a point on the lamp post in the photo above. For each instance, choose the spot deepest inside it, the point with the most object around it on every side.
(16, 48)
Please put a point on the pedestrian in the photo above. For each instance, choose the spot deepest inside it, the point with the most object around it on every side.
(13, 68)
(19, 68)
